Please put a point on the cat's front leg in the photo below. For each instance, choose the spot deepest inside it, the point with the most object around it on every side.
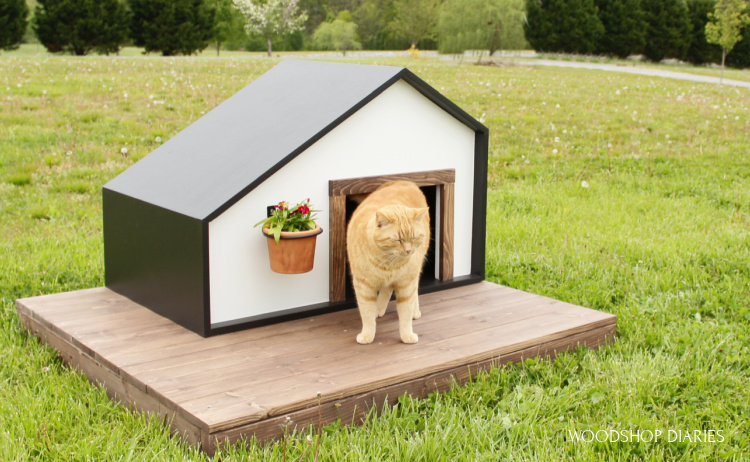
(384, 296)
(406, 304)
(368, 311)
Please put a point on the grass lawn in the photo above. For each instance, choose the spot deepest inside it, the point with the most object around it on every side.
(623, 193)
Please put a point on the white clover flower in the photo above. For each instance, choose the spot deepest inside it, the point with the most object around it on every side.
(158, 139)
(69, 153)
(124, 151)
(584, 184)
(554, 151)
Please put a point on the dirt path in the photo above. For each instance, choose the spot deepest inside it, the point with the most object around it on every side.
(630, 70)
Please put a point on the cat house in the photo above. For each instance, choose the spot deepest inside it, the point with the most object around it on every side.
(178, 224)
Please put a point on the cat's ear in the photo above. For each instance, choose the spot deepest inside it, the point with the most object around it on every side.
(382, 220)
(420, 214)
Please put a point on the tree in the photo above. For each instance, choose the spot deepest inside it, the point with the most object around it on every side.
(81, 26)
(229, 23)
(700, 51)
(13, 14)
(624, 27)
(371, 19)
(172, 27)
(668, 29)
(481, 24)
(275, 17)
(568, 26)
(724, 26)
(340, 34)
(415, 20)
(739, 57)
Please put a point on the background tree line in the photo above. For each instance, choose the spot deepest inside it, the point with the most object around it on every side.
(174, 27)
(657, 29)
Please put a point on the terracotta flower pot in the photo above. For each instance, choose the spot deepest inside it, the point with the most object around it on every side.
(295, 251)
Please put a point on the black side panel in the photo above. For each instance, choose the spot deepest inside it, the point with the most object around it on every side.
(479, 238)
(154, 257)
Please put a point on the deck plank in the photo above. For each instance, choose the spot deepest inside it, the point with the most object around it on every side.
(245, 383)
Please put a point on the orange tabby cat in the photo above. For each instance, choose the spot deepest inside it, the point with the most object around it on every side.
(386, 240)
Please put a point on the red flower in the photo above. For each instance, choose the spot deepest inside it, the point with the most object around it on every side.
(303, 209)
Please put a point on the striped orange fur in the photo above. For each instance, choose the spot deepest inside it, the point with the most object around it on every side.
(387, 239)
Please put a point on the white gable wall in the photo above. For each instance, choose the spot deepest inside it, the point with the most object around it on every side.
(400, 131)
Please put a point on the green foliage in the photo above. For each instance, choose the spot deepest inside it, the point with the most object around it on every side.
(668, 31)
(415, 20)
(739, 57)
(481, 25)
(288, 217)
(273, 18)
(658, 238)
(172, 27)
(624, 27)
(567, 26)
(340, 34)
(700, 51)
(372, 18)
(81, 26)
(725, 24)
(13, 21)
(230, 25)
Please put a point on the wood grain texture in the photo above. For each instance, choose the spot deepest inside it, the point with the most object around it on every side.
(337, 248)
(245, 383)
(365, 185)
(447, 204)
(339, 189)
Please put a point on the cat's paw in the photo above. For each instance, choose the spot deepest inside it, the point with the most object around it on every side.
(417, 314)
(364, 339)
(409, 338)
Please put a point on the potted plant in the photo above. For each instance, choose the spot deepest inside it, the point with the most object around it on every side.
(291, 233)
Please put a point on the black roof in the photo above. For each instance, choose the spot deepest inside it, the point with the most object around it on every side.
(215, 161)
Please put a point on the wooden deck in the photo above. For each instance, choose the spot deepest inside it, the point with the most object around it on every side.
(246, 383)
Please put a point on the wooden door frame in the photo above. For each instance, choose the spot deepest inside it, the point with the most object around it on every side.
(338, 190)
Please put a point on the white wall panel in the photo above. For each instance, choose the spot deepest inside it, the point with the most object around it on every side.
(400, 131)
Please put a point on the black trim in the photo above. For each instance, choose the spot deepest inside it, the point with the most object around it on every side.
(436, 97)
(299, 150)
(479, 220)
(165, 276)
(321, 308)
(206, 281)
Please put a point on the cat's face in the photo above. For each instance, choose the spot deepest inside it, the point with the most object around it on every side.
(401, 231)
